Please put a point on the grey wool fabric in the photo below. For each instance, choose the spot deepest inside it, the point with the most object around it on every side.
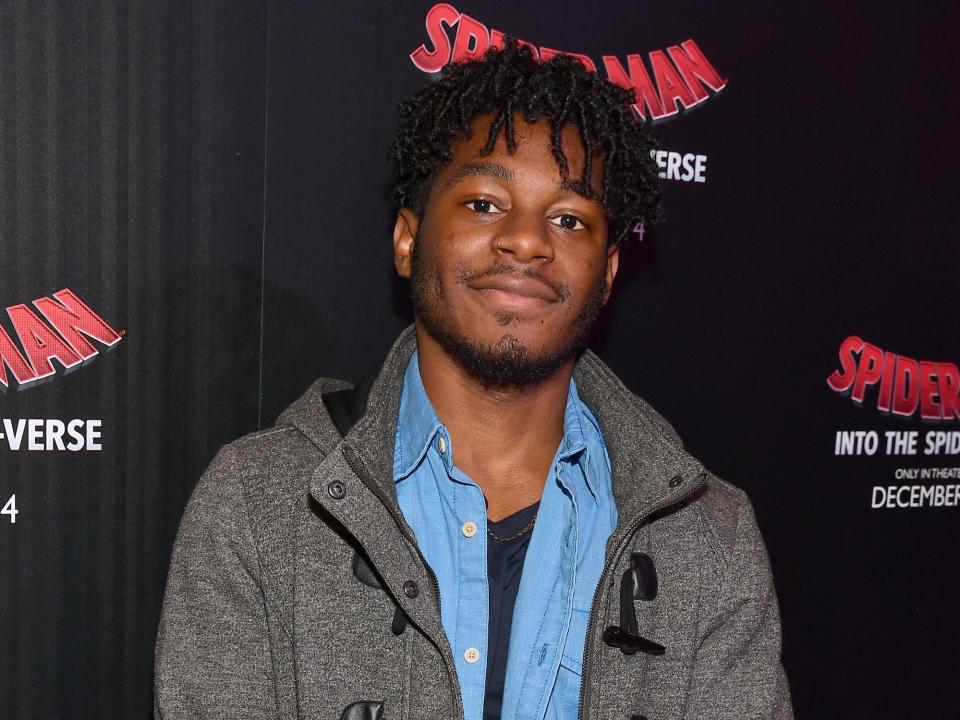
(293, 565)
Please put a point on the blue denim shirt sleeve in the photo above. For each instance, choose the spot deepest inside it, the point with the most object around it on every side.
(562, 567)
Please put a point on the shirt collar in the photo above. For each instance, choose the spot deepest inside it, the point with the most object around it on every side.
(419, 425)
(581, 432)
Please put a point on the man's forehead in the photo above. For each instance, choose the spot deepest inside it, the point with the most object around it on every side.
(529, 138)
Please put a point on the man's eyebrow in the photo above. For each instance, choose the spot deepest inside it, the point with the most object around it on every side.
(579, 187)
(493, 169)
(481, 168)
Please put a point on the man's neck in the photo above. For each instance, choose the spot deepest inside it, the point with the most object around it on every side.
(504, 438)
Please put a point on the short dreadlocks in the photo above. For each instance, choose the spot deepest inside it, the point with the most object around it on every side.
(560, 89)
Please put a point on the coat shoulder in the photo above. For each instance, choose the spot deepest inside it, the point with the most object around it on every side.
(726, 517)
(252, 482)
(276, 461)
(262, 476)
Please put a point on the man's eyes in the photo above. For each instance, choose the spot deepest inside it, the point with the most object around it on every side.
(479, 203)
(567, 221)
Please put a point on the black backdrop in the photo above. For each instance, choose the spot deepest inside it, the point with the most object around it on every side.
(210, 179)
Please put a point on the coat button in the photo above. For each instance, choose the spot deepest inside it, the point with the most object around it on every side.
(336, 489)
(410, 589)
(675, 480)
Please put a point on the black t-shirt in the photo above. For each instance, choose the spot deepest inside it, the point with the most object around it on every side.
(504, 567)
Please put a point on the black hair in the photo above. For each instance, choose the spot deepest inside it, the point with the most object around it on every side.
(561, 90)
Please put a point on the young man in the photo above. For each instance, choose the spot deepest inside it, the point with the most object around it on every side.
(505, 531)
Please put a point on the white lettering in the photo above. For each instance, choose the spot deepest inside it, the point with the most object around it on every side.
(900, 502)
(942, 442)
(51, 434)
(55, 430)
(73, 430)
(673, 166)
(34, 434)
(911, 496)
(14, 438)
(901, 442)
(93, 435)
(10, 508)
(685, 167)
(699, 174)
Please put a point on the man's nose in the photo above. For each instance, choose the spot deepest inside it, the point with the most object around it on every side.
(525, 237)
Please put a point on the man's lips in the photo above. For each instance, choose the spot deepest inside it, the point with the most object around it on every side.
(519, 290)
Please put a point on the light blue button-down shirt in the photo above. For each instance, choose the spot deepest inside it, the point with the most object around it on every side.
(560, 573)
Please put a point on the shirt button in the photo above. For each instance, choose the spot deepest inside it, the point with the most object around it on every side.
(469, 529)
(471, 655)
(442, 445)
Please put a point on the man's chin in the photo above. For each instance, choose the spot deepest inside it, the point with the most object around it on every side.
(503, 359)
(514, 340)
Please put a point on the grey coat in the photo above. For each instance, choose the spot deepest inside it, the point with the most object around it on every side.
(293, 559)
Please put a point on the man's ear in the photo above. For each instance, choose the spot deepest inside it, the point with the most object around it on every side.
(613, 263)
(404, 235)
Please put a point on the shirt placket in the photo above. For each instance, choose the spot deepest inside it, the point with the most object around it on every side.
(544, 605)
(470, 629)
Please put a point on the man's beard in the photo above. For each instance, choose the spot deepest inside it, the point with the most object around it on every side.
(508, 362)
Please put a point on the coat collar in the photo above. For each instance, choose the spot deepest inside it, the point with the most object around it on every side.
(650, 468)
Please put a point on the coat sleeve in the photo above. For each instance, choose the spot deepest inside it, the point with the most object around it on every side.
(738, 672)
(212, 653)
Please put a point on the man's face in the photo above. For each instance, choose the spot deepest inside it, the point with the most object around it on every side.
(509, 267)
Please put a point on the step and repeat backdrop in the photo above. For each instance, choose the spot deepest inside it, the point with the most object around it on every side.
(194, 225)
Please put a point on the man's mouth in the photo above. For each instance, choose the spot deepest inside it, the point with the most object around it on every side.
(518, 292)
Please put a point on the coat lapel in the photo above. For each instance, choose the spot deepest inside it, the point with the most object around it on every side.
(354, 484)
(649, 466)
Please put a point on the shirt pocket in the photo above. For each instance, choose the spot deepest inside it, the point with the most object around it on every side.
(565, 703)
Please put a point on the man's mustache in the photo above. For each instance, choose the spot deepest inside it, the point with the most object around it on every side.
(502, 268)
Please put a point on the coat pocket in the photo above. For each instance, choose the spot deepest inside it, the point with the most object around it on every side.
(366, 710)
